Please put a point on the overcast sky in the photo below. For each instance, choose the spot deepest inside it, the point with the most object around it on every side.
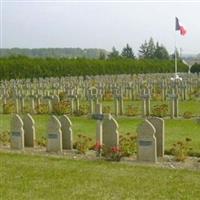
(36, 24)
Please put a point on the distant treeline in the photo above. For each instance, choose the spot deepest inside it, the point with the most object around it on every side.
(54, 52)
(26, 67)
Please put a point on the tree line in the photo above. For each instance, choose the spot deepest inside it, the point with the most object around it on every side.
(54, 52)
(148, 50)
(17, 67)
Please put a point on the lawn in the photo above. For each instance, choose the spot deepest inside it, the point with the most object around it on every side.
(37, 177)
(190, 105)
(176, 129)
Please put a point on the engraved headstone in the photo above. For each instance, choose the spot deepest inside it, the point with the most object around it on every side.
(146, 142)
(17, 133)
(110, 135)
(29, 131)
(99, 118)
(159, 126)
(54, 135)
(67, 134)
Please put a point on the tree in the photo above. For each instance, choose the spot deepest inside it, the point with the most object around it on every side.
(161, 52)
(147, 50)
(151, 48)
(114, 54)
(195, 68)
(172, 56)
(127, 52)
(102, 55)
(143, 50)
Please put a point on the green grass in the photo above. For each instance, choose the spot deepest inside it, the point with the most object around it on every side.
(36, 177)
(192, 106)
(177, 129)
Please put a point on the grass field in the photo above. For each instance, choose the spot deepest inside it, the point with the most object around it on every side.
(177, 129)
(36, 177)
(189, 105)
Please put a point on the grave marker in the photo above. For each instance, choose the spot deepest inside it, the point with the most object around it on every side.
(17, 133)
(159, 126)
(29, 131)
(147, 150)
(110, 135)
(54, 135)
(67, 134)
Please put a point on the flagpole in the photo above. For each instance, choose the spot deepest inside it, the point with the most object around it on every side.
(182, 32)
(175, 54)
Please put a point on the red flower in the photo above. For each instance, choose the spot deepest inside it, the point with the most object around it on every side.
(115, 149)
(98, 146)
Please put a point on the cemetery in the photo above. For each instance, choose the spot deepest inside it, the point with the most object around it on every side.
(141, 122)
(84, 117)
(147, 101)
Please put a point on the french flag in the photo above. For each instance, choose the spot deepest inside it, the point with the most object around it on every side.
(179, 27)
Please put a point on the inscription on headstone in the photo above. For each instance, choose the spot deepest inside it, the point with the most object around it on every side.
(54, 135)
(147, 150)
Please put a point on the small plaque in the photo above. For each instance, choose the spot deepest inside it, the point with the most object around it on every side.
(16, 134)
(52, 135)
(145, 143)
(97, 116)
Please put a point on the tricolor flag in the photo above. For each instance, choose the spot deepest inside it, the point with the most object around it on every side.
(179, 27)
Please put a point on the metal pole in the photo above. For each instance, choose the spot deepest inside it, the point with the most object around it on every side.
(175, 55)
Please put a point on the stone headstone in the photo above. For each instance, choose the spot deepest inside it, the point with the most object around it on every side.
(17, 133)
(99, 118)
(54, 135)
(146, 142)
(110, 135)
(29, 131)
(67, 135)
(159, 126)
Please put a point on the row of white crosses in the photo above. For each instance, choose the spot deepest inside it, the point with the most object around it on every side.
(132, 85)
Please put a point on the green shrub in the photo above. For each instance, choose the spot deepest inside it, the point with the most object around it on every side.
(62, 107)
(42, 141)
(61, 96)
(187, 115)
(42, 109)
(98, 148)
(131, 110)
(160, 110)
(106, 109)
(83, 144)
(9, 107)
(5, 138)
(108, 96)
(112, 154)
(127, 144)
(83, 110)
(181, 149)
(156, 96)
(17, 67)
